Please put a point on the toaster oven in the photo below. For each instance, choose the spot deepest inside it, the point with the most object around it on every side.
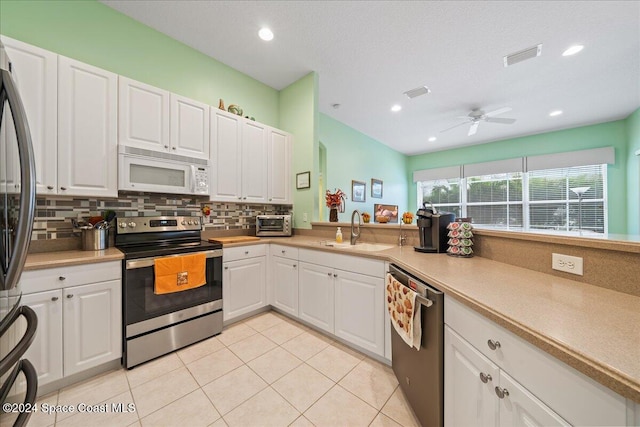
(273, 225)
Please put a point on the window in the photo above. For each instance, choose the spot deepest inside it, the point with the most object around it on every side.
(560, 199)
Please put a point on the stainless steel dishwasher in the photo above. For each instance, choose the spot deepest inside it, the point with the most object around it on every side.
(421, 372)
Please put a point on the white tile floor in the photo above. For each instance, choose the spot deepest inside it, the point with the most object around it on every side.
(265, 371)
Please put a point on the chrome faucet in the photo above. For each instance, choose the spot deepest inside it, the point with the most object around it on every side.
(355, 234)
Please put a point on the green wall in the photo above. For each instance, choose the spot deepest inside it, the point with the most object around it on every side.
(96, 34)
(633, 173)
(352, 155)
(299, 116)
(601, 135)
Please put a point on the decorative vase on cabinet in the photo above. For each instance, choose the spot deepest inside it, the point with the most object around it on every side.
(333, 215)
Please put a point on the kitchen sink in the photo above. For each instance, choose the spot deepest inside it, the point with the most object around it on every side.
(368, 247)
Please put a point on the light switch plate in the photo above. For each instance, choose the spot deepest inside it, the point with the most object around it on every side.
(567, 263)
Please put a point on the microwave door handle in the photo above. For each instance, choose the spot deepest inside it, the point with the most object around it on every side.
(193, 178)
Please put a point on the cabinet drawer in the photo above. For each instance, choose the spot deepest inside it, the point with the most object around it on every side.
(243, 252)
(63, 277)
(574, 396)
(284, 251)
(354, 264)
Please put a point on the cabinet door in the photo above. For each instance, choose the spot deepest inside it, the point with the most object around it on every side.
(285, 284)
(46, 350)
(35, 72)
(226, 152)
(468, 401)
(316, 290)
(359, 310)
(279, 167)
(521, 408)
(254, 162)
(143, 115)
(92, 325)
(189, 127)
(244, 287)
(87, 130)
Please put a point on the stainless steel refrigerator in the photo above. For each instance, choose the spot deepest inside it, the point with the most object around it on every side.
(17, 207)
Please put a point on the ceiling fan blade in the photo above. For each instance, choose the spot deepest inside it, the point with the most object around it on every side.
(453, 127)
(504, 121)
(473, 129)
(497, 112)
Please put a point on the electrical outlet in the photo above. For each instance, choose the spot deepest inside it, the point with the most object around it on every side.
(305, 218)
(567, 263)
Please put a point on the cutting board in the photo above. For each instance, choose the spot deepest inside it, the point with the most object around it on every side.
(234, 239)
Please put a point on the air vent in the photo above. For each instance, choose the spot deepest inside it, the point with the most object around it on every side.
(413, 93)
(523, 55)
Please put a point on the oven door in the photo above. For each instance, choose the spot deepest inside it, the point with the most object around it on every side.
(144, 311)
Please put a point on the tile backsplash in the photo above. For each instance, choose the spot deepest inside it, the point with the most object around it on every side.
(53, 214)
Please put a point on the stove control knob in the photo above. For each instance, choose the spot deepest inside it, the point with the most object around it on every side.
(196, 222)
(190, 222)
(184, 222)
(132, 224)
(123, 225)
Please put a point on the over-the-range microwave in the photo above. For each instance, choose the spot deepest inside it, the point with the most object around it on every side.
(156, 172)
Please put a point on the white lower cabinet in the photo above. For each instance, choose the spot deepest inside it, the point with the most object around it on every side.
(285, 284)
(79, 325)
(92, 325)
(472, 388)
(244, 281)
(316, 292)
(524, 386)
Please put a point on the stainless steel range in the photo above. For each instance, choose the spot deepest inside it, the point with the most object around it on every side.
(158, 323)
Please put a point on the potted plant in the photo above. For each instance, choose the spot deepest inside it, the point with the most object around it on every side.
(366, 217)
(335, 202)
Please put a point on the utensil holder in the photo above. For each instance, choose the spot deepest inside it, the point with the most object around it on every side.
(95, 239)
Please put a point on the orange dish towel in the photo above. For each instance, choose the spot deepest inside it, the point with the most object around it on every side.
(179, 273)
(405, 312)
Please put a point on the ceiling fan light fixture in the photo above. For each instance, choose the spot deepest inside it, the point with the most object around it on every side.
(395, 108)
(265, 34)
(573, 50)
(522, 55)
(419, 91)
(555, 113)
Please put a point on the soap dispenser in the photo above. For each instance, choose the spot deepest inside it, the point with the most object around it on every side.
(339, 235)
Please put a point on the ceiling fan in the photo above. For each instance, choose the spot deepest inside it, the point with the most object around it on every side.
(477, 115)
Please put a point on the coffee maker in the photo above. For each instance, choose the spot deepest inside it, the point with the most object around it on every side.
(432, 228)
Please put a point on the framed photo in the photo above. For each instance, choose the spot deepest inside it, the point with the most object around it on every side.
(358, 191)
(303, 180)
(376, 188)
(385, 213)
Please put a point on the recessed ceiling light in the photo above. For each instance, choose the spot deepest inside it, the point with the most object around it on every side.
(555, 113)
(396, 108)
(433, 138)
(265, 34)
(573, 50)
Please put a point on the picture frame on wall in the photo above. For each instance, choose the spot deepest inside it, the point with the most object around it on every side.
(376, 188)
(358, 191)
(385, 213)
(303, 180)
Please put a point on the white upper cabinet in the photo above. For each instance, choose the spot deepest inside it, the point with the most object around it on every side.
(155, 119)
(189, 127)
(35, 71)
(254, 162)
(87, 130)
(279, 167)
(143, 115)
(226, 156)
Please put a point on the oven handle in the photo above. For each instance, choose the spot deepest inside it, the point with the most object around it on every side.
(149, 262)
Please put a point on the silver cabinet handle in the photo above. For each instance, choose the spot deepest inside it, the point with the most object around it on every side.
(226, 267)
(49, 187)
(502, 392)
(244, 198)
(62, 278)
(485, 378)
(166, 146)
(335, 275)
(329, 274)
(173, 148)
(295, 265)
(493, 345)
(63, 188)
(270, 199)
(283, 252)
(70, 296)
(246, 252)
(54, 299)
